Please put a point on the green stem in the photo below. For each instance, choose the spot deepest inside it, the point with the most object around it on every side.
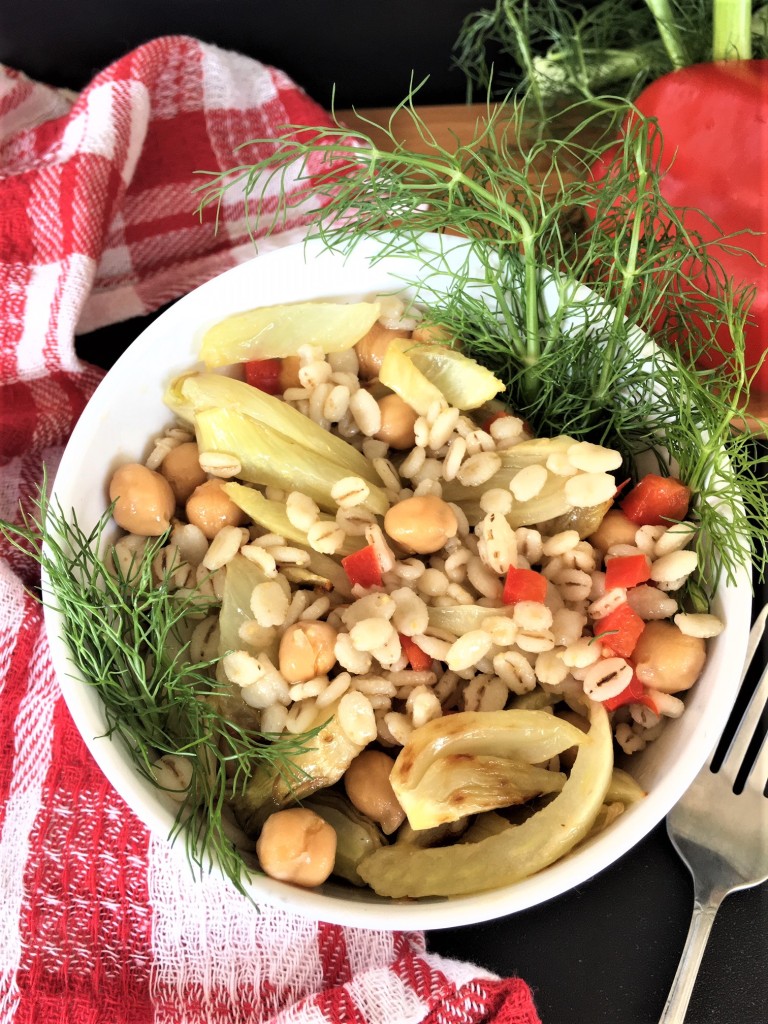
(552, 78)
(628, 274)
(492, 280)
(668, 32)
(732, 30)
(532, 341)
(524, 56)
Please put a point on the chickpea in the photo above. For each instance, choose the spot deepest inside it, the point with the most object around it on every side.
(432, 334)
(289, 372)
(666, 659)
(397, 422)
(181, 468)
(421, 525)
(615, 528)
(372, 346)
(144, 501)
(370, 791)
(306, 651)
(210, 509)
(297, 846)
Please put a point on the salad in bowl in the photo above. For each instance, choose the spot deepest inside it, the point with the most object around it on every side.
(399, 574)
(367, 641)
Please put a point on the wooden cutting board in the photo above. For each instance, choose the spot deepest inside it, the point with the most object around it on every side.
(452, 126)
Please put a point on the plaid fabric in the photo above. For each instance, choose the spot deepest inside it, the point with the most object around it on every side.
(98, 921)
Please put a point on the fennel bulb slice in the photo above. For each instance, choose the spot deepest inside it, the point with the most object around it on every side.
(192, 393)
(273, 517)
(272, 331)
(463, 382)
(270, 458)
(515, 852)
(400, 374)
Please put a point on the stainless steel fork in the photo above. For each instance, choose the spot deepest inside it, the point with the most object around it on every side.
(722, 836)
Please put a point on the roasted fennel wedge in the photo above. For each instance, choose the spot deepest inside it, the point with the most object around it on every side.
(478, 760)
(272, 331)
(270, 458)
(516, 852)
(423, 374)
(194, 392)
(272, 516)
(241, 577)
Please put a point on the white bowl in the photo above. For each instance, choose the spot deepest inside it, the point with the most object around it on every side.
(127, 410)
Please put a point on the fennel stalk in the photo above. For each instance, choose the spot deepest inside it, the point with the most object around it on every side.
(553, 50)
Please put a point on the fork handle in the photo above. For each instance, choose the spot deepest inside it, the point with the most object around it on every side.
(688, 968)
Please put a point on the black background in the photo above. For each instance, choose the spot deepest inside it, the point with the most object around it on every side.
(366, 48)
(606, 952)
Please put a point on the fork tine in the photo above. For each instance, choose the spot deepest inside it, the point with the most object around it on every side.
(745, 731)
(755, 636)
(753, 643)
(758, 773)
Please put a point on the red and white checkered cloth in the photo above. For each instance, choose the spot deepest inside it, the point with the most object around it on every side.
(99, 922)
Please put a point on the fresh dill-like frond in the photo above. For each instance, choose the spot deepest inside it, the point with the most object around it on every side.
(128, 636)
(536, 228)
(556, 50)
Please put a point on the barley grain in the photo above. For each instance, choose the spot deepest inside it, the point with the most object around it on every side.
(356, 718)
(699, 625)
(220, 464)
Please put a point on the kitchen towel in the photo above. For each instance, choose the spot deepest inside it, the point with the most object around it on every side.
(101, 923)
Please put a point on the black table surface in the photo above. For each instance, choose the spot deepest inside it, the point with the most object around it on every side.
(605, 953)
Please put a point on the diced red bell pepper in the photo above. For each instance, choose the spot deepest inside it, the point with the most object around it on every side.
(264, 374)
(363, 567)
(620, 630)
(657, 501)
(524, 585)
(419, 660)
(626, 571)
(634, 693)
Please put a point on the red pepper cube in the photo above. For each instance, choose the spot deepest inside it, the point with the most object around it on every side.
(419, 660)
(634, 693)
(626, 571)
(524, 585)
(363, 568)
(657, 501)
(620, 630)
(264, 374)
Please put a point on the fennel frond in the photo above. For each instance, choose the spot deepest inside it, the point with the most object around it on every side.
(534, 220)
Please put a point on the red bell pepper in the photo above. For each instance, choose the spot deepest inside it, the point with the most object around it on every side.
(634, 693)
(419, 660)
(524, 585)
(626, 571)
(363, 567)
(264, 374)
(620, 630)
(712, 119)
(657, 501)
(711, 152)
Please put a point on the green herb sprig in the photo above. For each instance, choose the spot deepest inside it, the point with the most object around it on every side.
(554, 50)
(534, 222)
(129, 636)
